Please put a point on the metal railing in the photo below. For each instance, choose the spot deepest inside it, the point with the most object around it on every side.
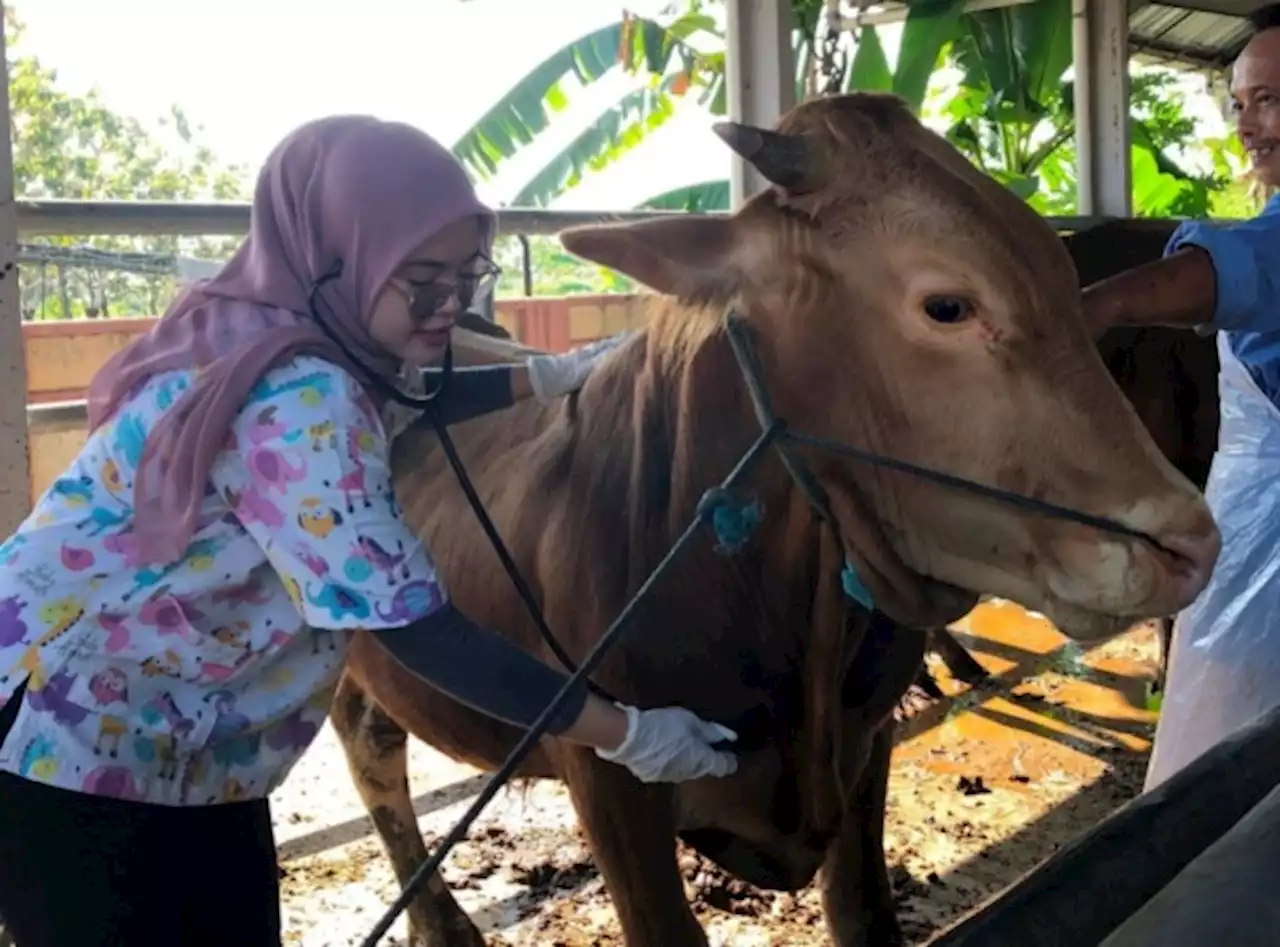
(62, 414)
(59, 218)
(65, 218)
(62, 218)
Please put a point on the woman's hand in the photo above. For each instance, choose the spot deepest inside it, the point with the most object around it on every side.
(665, 744)
(552, 376)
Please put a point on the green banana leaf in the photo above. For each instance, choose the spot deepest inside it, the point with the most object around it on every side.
(619, 129)
(929, 27)
(693, 198)
(1016, 56)
(869, 71)
(633, 44)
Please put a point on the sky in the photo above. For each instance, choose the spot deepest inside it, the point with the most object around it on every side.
(251, 70)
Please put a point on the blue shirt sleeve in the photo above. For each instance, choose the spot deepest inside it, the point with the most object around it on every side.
(1246, 261)
(482, 669)
(473, 391)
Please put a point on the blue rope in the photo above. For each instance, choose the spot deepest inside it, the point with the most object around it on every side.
(733, 518)
(853, 587)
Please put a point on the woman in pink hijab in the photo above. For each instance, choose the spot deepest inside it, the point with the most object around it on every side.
(174, 612)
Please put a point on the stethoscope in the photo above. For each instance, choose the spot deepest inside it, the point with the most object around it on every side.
(374, 379)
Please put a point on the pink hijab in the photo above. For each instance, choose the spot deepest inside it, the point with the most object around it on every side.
(349, 188)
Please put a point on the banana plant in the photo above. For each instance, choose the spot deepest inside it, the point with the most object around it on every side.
(660, 53)
(1013, 115)
(926, 33)
(676, 57)
(1012, 111)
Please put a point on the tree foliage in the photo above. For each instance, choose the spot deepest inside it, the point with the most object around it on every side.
(554, 271)
(1010, 111)
(663, 57)
(1012, 114)
(75, 147)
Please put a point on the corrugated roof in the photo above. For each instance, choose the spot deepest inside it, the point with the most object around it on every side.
(1207, 33)
(1197, 33)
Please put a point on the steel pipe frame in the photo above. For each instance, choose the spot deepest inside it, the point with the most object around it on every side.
(65, 218)
(1094, 883)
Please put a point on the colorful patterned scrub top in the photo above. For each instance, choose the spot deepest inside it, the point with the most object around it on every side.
(204, 681)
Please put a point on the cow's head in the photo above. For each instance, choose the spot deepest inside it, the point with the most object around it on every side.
(903, 302)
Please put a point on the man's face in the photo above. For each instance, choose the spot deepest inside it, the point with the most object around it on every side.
(1255, 100)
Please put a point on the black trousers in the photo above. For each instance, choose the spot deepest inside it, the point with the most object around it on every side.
(78, 870)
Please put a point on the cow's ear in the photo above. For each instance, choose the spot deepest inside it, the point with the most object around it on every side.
(687, 256)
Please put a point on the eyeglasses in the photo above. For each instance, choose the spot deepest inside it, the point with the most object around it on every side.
(474, 278)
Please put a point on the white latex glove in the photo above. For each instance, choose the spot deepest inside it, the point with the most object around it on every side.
(551, 376)
(670, 745)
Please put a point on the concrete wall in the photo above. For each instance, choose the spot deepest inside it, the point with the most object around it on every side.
(63, 356)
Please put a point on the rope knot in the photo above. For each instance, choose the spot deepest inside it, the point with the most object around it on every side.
(733, 518)
(854, 588)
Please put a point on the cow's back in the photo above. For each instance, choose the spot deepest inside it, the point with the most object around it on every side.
(588, 498)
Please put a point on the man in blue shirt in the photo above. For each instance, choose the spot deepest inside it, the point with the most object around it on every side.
(1224, 668)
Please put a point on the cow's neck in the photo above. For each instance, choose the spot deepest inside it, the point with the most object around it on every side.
(691, 381)
(693, 399)
(699, 420)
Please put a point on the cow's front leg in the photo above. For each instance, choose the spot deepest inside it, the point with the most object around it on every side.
(856, 892)
(377, 749)
(632, 833)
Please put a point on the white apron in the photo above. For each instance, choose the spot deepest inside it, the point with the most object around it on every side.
(1224, 667)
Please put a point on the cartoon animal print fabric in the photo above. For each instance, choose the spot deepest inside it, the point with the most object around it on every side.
(203, 681)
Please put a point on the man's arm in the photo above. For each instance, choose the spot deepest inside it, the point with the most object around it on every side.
(1213, 276)
(1179, 290)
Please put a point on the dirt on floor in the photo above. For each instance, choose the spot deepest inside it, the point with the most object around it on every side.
(985, 784)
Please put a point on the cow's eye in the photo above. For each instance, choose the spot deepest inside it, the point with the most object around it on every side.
(948, 309)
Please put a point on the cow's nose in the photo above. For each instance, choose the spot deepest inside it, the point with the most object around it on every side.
(1194, 542)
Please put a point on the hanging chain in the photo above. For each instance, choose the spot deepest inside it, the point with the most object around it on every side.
(833, 61)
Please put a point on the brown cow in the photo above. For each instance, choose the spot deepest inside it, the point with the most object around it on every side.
(1170, 376)
(899, 300)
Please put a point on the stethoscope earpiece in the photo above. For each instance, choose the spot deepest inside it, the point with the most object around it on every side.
(376, 381)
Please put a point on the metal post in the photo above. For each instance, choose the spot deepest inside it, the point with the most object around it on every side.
(1101, 46)
(1219, 82)
(1126, 859)
(1225, 896)
(761, 76)
(15, 464)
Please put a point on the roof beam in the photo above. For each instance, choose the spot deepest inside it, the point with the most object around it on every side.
(896, 14)
(1171, 53)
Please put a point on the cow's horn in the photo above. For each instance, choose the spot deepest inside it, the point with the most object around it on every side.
(786, 160)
